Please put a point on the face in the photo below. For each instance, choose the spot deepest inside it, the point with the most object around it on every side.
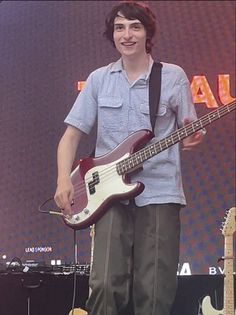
(129, 36)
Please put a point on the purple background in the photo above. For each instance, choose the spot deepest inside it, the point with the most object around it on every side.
(45, 48)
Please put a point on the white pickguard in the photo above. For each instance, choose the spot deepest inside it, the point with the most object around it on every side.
(111, 183)
(207, 309)
(104, 182)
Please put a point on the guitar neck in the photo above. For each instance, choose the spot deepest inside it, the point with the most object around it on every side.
(151, 150)
(229, 278)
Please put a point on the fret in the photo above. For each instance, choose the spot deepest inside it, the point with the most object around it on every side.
(145, 151)
(120, 168)
(184, 132)
(178, 136)
(135, 160)
(228, 230)
(124, 166)
(193, 127)
(138, 159)
(130, 163)
(153, 151)
(156, 147)
(172, 139)
(166, 143)
(142, 155)
(149, 151)
(214, 116)
(196, 126)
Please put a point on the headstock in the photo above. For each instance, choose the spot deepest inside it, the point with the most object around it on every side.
(229, 226)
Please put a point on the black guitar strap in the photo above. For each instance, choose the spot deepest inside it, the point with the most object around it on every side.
(154, 91)
(154, 94)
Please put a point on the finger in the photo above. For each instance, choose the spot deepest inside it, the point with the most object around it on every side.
(66, 203)
(57, 201)
(71, 196)
(62, 201)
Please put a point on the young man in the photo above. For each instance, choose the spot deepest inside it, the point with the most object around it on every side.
(136, 247)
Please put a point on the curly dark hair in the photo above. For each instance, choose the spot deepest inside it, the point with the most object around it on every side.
(132, 10)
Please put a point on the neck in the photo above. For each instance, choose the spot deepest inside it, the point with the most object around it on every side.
(134, 67)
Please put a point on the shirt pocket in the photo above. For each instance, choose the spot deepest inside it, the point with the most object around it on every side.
(110, 113)
(145, 115)
(161, 115)
(163, 118)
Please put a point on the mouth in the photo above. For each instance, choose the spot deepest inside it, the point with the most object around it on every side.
(128, 44)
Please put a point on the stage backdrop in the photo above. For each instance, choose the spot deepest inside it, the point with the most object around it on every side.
(46, 48)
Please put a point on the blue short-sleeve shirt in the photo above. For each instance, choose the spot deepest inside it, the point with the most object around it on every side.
(121, 108)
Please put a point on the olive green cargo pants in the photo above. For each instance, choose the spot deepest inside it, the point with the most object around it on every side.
(135, 260)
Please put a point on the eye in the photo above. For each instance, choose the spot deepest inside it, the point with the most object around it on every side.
(118, 27)
(137, 26)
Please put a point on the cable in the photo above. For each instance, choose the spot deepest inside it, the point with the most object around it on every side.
(74, 277)
(40, 208)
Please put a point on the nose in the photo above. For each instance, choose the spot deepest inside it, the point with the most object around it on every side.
(127, 33)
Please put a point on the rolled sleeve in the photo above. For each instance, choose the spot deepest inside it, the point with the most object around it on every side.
(84, 111)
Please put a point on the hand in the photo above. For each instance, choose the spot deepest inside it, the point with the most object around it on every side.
(193, 140)
(64, 195)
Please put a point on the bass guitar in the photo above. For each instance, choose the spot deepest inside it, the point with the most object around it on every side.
(100, 181)
(78, 311)
(228, 309)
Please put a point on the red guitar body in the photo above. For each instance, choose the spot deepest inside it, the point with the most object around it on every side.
(97, 182)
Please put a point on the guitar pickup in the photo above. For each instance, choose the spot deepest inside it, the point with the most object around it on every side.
(93, 183)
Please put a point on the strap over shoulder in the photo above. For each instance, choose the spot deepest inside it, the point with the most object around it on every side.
(154, 91)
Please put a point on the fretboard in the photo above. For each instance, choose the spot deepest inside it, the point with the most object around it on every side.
(137, 158)
(229, 278)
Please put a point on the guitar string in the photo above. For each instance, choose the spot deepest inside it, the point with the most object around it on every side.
(133, 163)
(134, 159)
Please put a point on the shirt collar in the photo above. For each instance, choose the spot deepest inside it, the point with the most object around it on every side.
(117, 67)
(147, 74)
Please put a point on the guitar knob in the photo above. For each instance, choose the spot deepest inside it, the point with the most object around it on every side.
(86, 210)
